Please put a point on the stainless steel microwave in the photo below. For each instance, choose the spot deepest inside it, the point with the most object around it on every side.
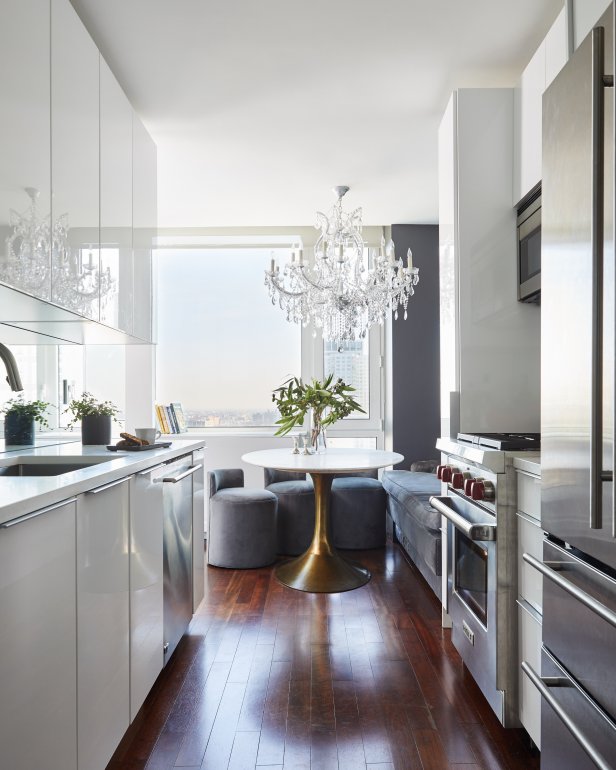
(529, 248)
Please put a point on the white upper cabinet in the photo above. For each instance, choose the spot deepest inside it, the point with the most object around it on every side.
(24, 138)
(145, 218)
(67, 176)
(116, 154)
(546, 63)
(489, 340)
(74, 162)
(585, 14)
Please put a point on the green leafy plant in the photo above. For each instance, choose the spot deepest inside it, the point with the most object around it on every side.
(88, 405)
(330, 401)
(33, 410)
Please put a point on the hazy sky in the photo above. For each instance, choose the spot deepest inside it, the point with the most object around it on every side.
(221, 343)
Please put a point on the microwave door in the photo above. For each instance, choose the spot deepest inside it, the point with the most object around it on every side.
(529, 255)
(577, 337)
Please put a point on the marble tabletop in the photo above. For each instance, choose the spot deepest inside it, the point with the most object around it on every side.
(330, 461)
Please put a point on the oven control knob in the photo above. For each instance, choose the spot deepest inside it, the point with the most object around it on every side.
(439, 471)
(458, 479)
(468, 483)
(447, 473)
(482, 490)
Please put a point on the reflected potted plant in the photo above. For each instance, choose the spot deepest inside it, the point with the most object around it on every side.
(95, 417)
(324, 402)
(19, 420)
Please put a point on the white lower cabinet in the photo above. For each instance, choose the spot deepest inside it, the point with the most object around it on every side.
(103, 695)
(38, 715)
(529, 640)
(530, 598)
(146, 583)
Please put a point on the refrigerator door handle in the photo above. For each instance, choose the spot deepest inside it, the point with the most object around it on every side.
(596, 243)
(543, 685)
(551, 573)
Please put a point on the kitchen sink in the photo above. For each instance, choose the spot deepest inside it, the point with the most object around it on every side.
(47, 466)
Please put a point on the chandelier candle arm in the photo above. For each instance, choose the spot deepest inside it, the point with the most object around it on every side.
(350, 287)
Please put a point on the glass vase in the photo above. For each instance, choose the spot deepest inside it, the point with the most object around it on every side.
(318, 437)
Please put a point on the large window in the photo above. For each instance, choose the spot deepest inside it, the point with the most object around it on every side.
(222, 346)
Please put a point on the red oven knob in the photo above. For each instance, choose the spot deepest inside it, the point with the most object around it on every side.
(439, 471)
(447, 473)
(477, 490)
(468, 483)
(458, 479)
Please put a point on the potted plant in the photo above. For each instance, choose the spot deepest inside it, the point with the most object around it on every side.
(95, 417)
(325, 402)
(19, 419)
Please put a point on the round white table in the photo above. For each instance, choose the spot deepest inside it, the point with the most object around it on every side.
(321, 569)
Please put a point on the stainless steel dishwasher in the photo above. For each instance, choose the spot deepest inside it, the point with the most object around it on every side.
(177, 550)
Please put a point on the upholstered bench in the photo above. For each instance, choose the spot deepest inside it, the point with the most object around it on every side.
(358, 510)
(242, 522)
(417, 526)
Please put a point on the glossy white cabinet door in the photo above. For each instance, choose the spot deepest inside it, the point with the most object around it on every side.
(24, 128)
(146, 584)
(116, 151)
(145, 219)
(528, 125)
(38, 714)
(102, 622)
(75, 159)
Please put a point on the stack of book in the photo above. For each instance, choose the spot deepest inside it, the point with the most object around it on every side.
(170, 419)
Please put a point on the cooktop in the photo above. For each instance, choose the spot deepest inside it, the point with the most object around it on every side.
(505, 442)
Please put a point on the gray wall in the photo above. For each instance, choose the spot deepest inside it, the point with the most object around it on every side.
(415, 351)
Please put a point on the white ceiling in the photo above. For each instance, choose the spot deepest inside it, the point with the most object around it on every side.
(259, 107)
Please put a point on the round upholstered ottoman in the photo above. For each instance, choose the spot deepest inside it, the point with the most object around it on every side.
(242, 528)
(358, 512)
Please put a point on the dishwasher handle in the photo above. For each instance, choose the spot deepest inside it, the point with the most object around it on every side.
(180, 476)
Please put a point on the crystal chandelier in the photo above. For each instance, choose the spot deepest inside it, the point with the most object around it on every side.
(350, 287)
(37, 252)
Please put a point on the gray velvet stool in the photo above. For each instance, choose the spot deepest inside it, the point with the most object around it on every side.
(242, 522)
(295, 520)
(359, 511)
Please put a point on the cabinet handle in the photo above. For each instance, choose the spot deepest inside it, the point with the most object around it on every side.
(108, 486)
(33, 515)
(189, 472)
(584, 598)
(543, 684)
(151, 470)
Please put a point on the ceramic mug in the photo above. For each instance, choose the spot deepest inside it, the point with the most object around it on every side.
(148, 434)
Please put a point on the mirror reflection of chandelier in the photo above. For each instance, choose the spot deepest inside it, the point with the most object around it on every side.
(40, 261)
(350, 287)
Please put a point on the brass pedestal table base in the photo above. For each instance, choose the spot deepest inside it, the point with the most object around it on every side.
(321, 569)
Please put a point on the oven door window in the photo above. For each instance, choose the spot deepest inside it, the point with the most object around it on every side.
(471, 575)
(530, 255)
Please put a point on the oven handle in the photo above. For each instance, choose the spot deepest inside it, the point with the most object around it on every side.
(477, 532)
(542, 684)
(584, 598)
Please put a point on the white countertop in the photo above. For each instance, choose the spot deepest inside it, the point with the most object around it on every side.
(529, 462)
(23, 494)
(330, 461)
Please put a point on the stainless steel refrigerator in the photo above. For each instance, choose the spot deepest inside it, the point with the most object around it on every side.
(578, 677)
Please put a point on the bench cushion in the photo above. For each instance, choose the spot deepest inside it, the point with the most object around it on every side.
(413, 490)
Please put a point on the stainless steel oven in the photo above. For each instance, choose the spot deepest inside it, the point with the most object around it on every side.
(529, 248)
(477, 598)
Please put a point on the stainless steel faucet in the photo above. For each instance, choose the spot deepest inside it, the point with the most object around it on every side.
(12, 372)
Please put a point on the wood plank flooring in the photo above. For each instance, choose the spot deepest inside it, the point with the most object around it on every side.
(269, 677)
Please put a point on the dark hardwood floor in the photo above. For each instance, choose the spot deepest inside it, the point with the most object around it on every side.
(272, 677)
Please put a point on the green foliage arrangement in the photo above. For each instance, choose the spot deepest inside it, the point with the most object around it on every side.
(330, 401)
(88, 405)
(34, 410)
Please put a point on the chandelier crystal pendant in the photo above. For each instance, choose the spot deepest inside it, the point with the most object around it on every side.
(350, 287)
